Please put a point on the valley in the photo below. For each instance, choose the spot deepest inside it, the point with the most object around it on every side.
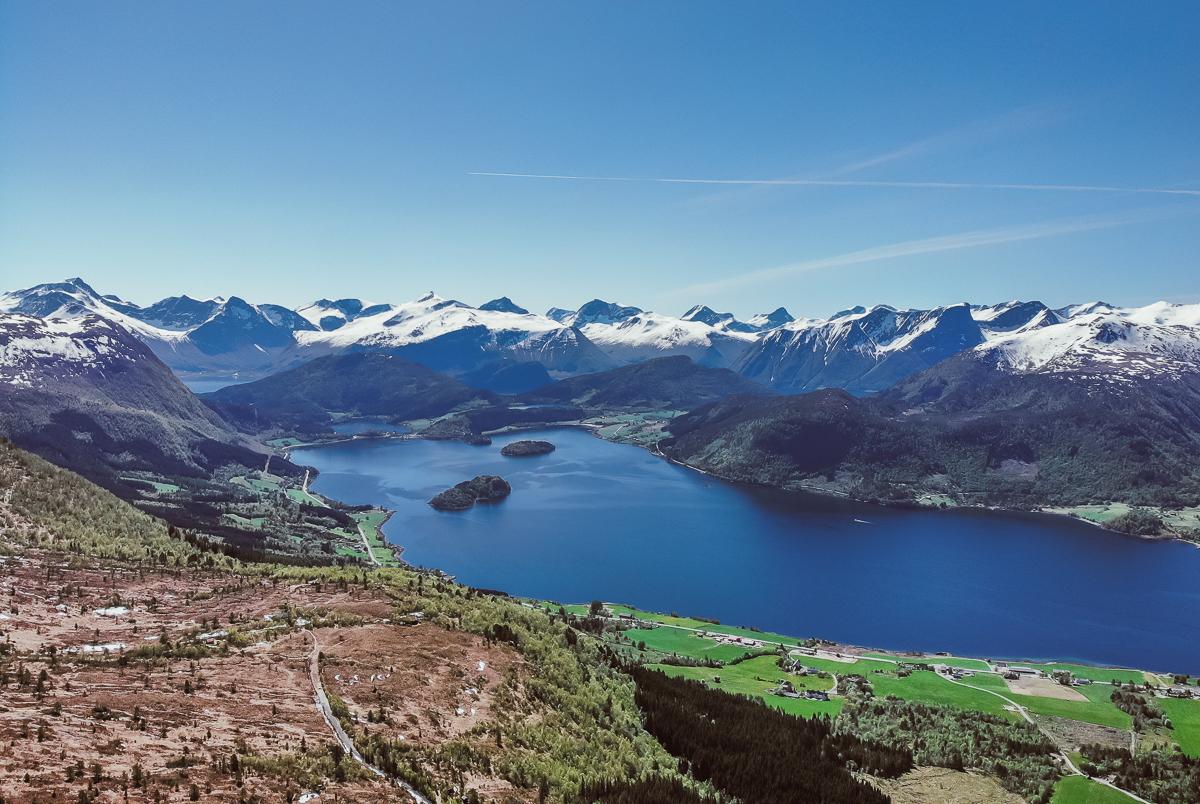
(309, 567)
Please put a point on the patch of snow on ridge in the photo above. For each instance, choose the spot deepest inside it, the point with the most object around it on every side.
(424, 319)
(1157, 338)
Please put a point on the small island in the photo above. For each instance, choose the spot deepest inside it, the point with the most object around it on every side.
(518, 449)
(482, 488)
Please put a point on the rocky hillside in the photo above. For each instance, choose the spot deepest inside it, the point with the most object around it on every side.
(85, 393)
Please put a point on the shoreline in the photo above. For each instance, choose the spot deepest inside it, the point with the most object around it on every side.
(653, 449)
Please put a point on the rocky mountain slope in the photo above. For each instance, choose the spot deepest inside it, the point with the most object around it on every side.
(85, 393)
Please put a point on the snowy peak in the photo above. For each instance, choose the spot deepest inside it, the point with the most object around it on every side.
(772, 320)
(706, 315)
(598, 311)
(1014, 316)
(180, 312)
(1121, 345)
(34, 350)
(327, 315)
(503, 305)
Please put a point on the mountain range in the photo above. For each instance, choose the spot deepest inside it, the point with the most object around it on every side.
(502, 347)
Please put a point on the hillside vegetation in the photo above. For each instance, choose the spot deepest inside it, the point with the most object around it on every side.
(359, 384)
(666, 383)
(963, 431)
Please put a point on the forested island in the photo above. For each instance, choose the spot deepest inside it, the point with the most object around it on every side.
(521, 449)
(482, 488)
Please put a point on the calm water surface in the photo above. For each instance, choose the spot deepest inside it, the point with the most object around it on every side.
(602, 520)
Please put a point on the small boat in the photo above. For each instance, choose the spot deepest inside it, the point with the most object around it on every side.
(863, 522)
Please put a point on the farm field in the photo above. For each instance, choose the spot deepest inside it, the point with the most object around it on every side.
(757, 677)
(667, 635)
(1185, 715)
(1081, 790)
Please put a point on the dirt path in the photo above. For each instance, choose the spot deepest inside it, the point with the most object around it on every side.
(367, 546)
(1066, 759)
(314, 672)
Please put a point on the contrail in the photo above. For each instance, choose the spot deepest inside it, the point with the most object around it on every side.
(915, 185)
(929, 245)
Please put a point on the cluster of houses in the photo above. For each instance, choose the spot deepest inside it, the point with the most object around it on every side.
(730, 639)
(1181, 692)
(788, 690)
(1012, 672)
(795, 666)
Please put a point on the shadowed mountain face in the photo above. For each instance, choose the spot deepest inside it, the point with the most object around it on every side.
(667, 383)
(969, 429)
(86, 393)
(863, 351)
(359, 384)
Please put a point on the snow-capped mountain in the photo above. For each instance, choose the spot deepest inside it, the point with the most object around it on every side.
(34, 351)
(1154, 341)
(87, 392)
(772, 320)
(597, 311)
(645, 335)
(327, 315)
(862, 350)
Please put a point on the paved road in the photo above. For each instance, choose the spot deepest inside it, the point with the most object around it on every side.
(314, 672)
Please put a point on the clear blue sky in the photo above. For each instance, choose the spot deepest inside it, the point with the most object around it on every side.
(284, 151)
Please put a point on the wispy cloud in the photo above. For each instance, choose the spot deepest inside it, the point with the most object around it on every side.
(915, 185)
(968, 135)
(910, 248)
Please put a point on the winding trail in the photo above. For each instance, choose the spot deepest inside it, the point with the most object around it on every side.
(322, 700)
(1065, 757)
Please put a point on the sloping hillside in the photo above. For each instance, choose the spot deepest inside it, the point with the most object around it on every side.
(86, 393)
(969, 431)
(358, 384)
(666, 383)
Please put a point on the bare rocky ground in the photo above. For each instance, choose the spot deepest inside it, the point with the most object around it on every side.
(944, 786)
(124, 684)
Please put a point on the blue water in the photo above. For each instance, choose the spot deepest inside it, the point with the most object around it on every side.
(602, 520)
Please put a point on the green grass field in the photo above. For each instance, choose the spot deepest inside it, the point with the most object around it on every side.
(683, 643)
(949, 661)
(688, 622)
(1081, 790)
(284, 442)
(1185, 716)
(303, 497)
(980, 692)
(159, 486)
(1098, 708)
(1095, 673)
(261, 485)
(755, 678)
(372, 524)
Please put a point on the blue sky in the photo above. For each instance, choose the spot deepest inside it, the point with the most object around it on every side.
(287, 151)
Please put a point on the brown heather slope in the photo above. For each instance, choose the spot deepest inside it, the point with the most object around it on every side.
(135, 666)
